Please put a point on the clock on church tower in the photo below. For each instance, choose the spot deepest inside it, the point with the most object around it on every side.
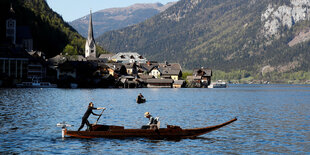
(11, 27)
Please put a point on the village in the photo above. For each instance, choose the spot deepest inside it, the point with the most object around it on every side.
(22, 66)
(121, 70)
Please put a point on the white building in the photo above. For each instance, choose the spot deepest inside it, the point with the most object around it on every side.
(90, 46)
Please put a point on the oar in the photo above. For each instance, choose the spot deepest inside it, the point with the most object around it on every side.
(99, 117)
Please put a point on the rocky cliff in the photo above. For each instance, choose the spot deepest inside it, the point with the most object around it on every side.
(276, 17)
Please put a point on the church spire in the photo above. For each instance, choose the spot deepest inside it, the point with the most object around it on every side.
(11, 12)
(90, 28)
(11, 9)
(90, 46)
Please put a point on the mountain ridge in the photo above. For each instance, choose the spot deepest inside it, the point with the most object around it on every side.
(225, 35)
(116, 18)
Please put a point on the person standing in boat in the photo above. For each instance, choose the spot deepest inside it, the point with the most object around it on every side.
(87, 113)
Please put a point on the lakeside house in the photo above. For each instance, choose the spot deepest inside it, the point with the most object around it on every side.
(170, 70)
(201, 78)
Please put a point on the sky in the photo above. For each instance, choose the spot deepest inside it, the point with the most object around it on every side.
(74, 9)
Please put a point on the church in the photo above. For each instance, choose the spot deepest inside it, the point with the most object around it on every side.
(90, 46)
(90, 53)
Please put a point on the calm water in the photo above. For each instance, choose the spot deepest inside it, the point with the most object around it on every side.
(271, 119)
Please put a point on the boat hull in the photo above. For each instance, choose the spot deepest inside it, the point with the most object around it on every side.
(141, 100)
(171, 132)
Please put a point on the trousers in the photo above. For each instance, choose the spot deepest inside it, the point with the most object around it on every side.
(84, 121)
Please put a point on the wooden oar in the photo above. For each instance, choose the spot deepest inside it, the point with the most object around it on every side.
(99, 117)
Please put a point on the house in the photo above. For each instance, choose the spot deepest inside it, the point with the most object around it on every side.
(116, 69)
(201, 78)
(131, 68)
(37, 67)
(128, 82)
(146, 68)
(128, 57)
(142, 80)
(179, 84)
(155, 72)
(159, 83)
(170, 70)
(194, 81)
(205, 74)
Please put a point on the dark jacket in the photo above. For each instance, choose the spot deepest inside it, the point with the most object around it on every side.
(88, 112)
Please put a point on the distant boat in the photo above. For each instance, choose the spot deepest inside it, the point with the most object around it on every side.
(36, 84)
(171, 132)
(218, 84)
(141, 100)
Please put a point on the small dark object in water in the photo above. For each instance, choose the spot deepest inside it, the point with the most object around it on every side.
(142, 100)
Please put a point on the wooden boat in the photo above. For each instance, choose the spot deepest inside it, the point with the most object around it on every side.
(142, 100)
(171, 132)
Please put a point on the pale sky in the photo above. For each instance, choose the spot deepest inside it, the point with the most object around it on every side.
(74, 9)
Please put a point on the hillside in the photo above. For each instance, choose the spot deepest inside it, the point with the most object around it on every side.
(116, 18)
(49, 32)
(257, 36)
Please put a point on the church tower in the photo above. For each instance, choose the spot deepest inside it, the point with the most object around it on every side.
(11, 26)
(90, 46)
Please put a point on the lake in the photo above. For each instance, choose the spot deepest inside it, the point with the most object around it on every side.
(272, 119)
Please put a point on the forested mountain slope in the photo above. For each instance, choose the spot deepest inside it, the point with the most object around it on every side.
(251, 35)
(50, 33)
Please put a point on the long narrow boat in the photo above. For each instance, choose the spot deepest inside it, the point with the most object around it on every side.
(171, 132)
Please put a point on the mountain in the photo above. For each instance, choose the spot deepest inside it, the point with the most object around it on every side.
(254, 35)
(50, 33)
(116, 18)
